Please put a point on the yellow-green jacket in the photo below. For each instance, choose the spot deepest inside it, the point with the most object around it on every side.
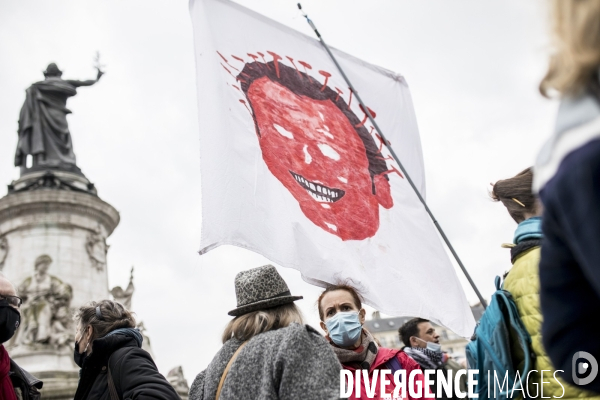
(523, 283)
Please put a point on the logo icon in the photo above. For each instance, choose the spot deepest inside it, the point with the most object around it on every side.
(581, 367)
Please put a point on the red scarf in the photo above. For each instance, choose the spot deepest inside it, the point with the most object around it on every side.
(7, 391)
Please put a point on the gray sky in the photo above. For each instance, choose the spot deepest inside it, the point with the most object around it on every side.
(472, 67)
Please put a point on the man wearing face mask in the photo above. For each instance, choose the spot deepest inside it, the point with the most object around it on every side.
(15, 383)
(423, 345)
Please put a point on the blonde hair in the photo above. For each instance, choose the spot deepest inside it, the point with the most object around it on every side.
(249, 325)
(576, 29)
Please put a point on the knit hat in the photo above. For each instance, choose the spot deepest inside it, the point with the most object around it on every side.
(260, 288)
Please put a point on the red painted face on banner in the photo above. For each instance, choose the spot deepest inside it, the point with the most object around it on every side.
(314, 151)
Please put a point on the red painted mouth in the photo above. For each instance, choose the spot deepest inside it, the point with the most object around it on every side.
(318, 191)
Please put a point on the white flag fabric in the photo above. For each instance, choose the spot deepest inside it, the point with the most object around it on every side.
(292, 169)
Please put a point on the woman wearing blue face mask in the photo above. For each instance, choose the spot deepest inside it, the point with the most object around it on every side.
(342, 318)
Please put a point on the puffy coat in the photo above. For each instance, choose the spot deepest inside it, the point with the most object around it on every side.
(134, 373)
(382, 357)
(523, 283)
(294, 362)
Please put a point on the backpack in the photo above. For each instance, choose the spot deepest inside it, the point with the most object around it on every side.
(393, 364)
(499, 331)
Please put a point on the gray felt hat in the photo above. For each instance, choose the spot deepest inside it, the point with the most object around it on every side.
(260, 288)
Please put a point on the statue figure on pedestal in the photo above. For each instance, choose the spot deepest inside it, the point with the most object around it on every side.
(124, 296)
(43, 129)
(45, 313)
(177, 380)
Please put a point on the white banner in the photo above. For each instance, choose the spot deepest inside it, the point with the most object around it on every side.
(293, 170)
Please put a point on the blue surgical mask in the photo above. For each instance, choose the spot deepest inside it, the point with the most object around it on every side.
(435, 347)
(344, 328)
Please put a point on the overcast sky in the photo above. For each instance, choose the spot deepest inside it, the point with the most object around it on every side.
(473, 68)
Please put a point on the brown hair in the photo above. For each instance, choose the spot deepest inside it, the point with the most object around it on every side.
(246, 326)
(356, 296)
(516, 195)
(576, 31)
(114, 316)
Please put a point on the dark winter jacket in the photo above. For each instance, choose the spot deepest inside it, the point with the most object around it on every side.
(133, 371)
(290, 363)
(26, 385)
(567, 176)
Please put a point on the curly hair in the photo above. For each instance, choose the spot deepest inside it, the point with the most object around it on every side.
(114, 316)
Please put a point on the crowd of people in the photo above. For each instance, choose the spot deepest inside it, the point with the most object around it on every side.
(269, 353)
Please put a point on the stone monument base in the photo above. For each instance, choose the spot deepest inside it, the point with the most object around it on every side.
(58, 218)
(54, 367)
(58, 385)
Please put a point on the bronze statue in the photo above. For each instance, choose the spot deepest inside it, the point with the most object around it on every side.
(43, 128)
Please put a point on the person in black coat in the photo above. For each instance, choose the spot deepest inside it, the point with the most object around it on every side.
(113, 364)
(15, 382)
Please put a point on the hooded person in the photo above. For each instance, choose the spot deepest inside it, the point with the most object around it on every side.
(268, 353)
(342, 319)
(113, 364)
(15, 382)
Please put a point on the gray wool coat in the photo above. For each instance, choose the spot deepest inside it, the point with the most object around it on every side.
(294, 362)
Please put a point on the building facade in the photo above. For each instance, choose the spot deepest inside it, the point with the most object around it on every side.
(386, 331)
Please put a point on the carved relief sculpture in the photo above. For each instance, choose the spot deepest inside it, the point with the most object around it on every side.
(96, 248)
(3, 251)
(45, 313)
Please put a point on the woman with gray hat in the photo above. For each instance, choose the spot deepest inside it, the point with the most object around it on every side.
(268, 353)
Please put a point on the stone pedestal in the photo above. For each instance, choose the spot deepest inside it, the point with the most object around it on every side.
(57, 214)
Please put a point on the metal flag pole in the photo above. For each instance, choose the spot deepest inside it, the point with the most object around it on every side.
(389, 147)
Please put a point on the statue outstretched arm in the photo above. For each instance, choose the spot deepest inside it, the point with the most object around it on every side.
(89, 82)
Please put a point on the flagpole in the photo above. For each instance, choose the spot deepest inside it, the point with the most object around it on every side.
(389, 147)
